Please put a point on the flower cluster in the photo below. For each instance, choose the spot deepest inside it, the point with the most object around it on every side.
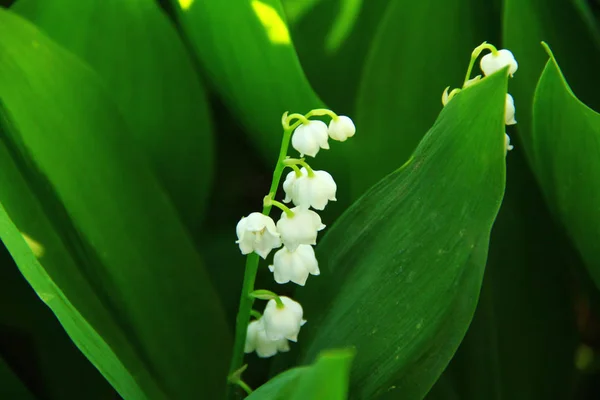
(492, 62)
(297, 228)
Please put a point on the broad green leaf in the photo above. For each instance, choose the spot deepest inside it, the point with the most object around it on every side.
(11, 387)
(327, 378)
(528, 22)
(525, 307)
(280, 387)
(566, 147)
(39, 345)
(401, 270)
(420, 48)
(117, 369)
(112, 252)
(138, 54)
(333, 39)
(246, 49)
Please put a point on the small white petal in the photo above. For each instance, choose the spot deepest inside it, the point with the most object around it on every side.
(257, 340)
(311, 191)
(283, 323)
(295, 265)
(310, 138)
(300, 229)
(509, 110)
(288, 186)
(491, 63)
(341, 128)
(251, 333)
(507, 146)
(257, 232)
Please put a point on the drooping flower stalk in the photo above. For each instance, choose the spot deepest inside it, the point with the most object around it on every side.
(296, 230)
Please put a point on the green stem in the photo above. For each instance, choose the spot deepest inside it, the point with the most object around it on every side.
(319, 112)
(281, 206)
(476, 52)
(246, 302)
(264, 294)
(243, 317)
(245, 386)
(294, 162)
(302, 119)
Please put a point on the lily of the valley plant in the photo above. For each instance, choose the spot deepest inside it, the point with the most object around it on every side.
(294, 234)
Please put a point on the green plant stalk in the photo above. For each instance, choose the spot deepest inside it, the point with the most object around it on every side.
(246, 301)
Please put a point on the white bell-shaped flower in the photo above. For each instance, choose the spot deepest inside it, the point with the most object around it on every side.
(509, 110)
(257, 340)
(507, 146)
(309, 191)
(300, 229)
(295, 266)
(258, 233)
(341, 128)
(310, 138)
(285, 322)
(491, 62)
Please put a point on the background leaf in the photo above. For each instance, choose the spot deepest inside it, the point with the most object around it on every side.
(138, 54)
(10, 385)
(526, 305)
(253, 64)
(419, 49)
(123, 260)
(566, 145)
(333, 38)
(401, 269)
(34, 344)
(528, 22)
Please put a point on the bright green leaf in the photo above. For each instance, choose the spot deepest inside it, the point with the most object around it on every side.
(401, 270)
(112, 252)
(327, 378)
(420, 48)
(137, 52)
(566, 148)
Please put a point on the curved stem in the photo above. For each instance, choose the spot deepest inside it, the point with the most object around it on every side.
(264, 294)
(476, 52)
(319, 112)
(302, 119)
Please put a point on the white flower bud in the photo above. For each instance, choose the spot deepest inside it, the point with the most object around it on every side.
(300, 229)
(508, 146)
(257, 340)
(491, 63)
(310, 138)
(341, 128)
(509, 110)
(294, 266)
(309, 191)
(285, 322)
(258, 233)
